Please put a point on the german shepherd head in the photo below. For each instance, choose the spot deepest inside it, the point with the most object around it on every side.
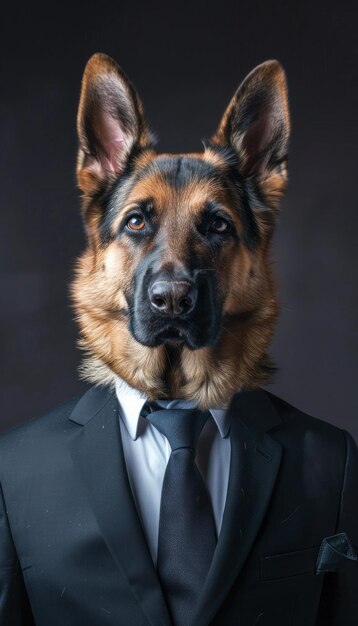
(175, 292)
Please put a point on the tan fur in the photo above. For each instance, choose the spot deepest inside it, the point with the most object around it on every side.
(103, 275)
(209, 376)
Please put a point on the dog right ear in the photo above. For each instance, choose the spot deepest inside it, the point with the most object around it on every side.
(110, 124)
(256, 125)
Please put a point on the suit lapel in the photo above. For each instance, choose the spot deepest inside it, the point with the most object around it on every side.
(255, 460)
(98, 454)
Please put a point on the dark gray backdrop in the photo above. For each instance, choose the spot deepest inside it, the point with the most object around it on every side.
(186, 59)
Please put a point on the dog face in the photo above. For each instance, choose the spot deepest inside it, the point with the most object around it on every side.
(174, 292)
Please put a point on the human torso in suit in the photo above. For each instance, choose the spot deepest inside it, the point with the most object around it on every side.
(73, 551)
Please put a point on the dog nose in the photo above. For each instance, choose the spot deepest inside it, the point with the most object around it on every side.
(172, 297)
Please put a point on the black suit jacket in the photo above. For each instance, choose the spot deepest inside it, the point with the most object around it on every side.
(72, 549)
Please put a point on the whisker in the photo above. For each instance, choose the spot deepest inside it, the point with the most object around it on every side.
(229, 331)
(206, 269)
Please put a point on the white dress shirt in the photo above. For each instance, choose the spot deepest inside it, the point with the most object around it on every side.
(147, 451)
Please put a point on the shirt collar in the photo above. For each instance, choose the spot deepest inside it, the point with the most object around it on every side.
(131, 402)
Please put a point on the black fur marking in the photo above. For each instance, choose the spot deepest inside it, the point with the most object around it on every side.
(242, 195)
(110, 210)
(178, 171)
(214, 210)
(251, 231)
(247, 195)
(242, 201)
(257, 200)
(108, 200)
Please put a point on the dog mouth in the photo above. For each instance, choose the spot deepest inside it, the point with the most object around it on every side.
(195, 328)
(172, 336)
(173, 333)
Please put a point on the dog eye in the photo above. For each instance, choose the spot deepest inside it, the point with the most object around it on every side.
(219, 225)
(136, 222)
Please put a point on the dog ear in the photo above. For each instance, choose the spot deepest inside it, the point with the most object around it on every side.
(256, 125)
(110, 123)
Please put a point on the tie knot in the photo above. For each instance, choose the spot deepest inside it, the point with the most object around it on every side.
(181, 427)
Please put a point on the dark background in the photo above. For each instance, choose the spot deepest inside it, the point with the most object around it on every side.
(186, 60)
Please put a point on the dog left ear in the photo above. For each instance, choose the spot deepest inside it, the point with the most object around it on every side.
(110, 123)
(256, 125)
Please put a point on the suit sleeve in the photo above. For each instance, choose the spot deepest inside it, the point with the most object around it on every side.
(14, 604)
(339, 599)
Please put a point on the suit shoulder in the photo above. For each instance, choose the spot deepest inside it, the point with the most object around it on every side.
(37, 426)
(50, 425)
(296, 425)
(291, 414)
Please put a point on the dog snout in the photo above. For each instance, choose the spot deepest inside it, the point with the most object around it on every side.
(172, 297)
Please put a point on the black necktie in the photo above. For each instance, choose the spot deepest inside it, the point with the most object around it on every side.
(187, 533)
